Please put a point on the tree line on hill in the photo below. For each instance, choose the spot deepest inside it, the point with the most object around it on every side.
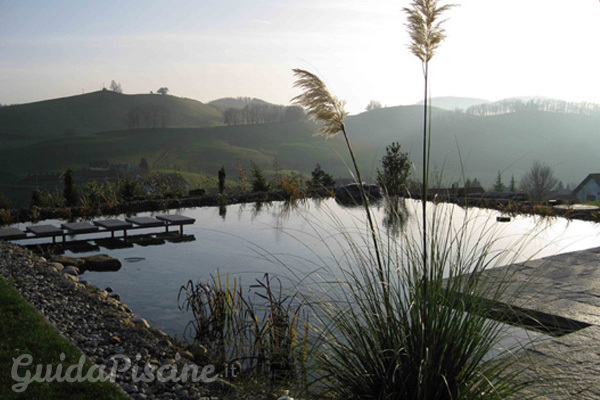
(262, 113)
(147, 116)
(548, 105)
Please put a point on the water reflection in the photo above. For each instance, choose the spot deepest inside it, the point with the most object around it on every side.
(300, 238)
(257, 208)
(395, 215)
(223, 211)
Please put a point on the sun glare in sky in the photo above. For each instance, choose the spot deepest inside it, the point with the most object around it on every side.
(211, 49)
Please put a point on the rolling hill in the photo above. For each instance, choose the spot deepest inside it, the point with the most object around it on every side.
(480, 146)
(100, 111)
(195, 141)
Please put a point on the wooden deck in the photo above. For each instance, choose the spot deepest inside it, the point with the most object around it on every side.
(100, 226)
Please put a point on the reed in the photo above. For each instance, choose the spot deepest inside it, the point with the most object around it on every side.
(426, 34)
(262, 331)
(425, 337)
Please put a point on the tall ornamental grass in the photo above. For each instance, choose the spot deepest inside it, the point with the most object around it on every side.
(423, 337)
(406, 319)
(426, 34)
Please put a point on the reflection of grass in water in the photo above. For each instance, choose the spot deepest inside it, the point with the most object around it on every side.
(396, 215)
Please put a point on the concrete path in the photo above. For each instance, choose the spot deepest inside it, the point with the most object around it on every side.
(567, 286)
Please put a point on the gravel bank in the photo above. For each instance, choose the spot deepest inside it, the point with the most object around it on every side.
(103, 327)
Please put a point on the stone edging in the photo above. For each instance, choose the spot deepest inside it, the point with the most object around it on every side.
(102, 327)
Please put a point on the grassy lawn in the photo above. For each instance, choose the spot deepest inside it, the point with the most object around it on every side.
(23, 331)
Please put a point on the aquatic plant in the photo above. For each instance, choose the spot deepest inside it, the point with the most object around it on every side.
(263, 331)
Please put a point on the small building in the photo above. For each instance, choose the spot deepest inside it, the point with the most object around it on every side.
(588, 190)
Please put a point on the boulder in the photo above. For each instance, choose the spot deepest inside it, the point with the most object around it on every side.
(71, 278)
(350, 194)
(66, 261)
(142, 322)
(71, 270)
(57, 266)
(101, 262)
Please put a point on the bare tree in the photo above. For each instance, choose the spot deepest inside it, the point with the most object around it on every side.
(116, 87)
(539, 181)
(373, 105)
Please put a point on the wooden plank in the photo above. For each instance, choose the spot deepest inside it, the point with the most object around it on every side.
(79, 227)
(45, 230)
(114, 224)
(176, 219)
(11, 234)
(145, 222)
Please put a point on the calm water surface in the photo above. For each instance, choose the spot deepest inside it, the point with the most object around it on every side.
(248, 240)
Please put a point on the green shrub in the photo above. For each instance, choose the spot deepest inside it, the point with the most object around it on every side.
(5, 202)
(259, 183)
(128, 188)
(70, 190)
(395, 170)
(96, 194)
(320, 179)
(420, 333)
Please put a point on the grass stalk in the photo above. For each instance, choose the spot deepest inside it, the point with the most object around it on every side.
(325, 108)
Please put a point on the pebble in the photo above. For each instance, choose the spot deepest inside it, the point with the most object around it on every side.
(58, 266)
(71, 270)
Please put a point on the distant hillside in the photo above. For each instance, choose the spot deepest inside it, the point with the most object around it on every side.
(453, 103)
(502, 136)
(480, 146)
(197, 150)
(102, 111)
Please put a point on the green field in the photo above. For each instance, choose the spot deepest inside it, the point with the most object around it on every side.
(23, 331)
(98, 112)
(194, 152)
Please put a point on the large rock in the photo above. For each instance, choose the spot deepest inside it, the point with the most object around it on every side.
(350, 194)
(101, 262)
(66, 261)
(58, 266)
(71, 270)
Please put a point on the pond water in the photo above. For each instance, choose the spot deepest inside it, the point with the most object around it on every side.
(248, 240)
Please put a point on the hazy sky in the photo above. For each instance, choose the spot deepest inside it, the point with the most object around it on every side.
(207, 49)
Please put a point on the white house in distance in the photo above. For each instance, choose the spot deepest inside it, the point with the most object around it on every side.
(588, 189)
